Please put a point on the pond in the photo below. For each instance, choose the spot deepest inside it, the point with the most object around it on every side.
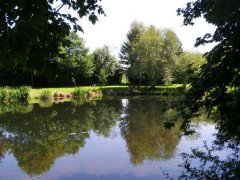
(112, 138)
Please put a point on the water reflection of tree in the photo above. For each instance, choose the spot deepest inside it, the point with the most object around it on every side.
(15, 107)
(38, 138)
(144, 131)
(221, 159)
(3, 146)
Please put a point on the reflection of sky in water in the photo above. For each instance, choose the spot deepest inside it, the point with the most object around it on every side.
(111, 156)
(124, 103)
(108, 158)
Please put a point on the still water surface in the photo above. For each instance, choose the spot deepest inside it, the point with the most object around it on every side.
(116, 138)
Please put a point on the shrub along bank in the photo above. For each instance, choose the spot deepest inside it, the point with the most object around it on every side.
(23, 93)
(10, 94)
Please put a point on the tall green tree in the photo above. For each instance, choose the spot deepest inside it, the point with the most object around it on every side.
(105, 65)
(126, 55)
(188, 66)
(151, 54)
(75, 62)
(147, 66)
(31, 32)
(172, 49)
(222, 70)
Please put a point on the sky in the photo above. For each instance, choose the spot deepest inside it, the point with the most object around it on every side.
(111, 29)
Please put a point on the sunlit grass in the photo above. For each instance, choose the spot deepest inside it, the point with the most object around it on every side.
(117, 89)
(36, 92)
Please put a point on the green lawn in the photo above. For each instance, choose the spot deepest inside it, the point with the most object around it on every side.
(36, 92)
(105, 89)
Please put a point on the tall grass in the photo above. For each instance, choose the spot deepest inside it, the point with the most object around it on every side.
(79, 96)
(3, 93)
(8, 94)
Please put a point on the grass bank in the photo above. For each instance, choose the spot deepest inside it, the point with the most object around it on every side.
(175, 89)
(35, 93)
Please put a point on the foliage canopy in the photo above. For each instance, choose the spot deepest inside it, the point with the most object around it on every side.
(150, 54)
(221, 72)
(31, 32)
(106, 65)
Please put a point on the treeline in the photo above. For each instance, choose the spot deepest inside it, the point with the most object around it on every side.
(149, 56)
(154, 56)
(73, 66)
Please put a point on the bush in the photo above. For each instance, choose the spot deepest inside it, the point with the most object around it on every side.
(79, 94)
(3, 94)
(14, 94)
(23, 92)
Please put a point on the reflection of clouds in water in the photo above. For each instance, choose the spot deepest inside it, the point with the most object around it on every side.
(125, 103)
(124, 115)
